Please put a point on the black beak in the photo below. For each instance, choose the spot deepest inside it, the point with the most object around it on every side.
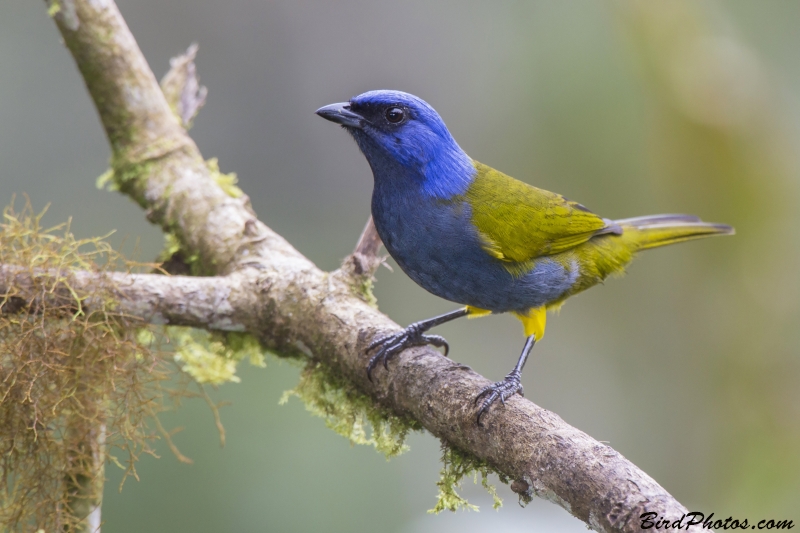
(340, 113)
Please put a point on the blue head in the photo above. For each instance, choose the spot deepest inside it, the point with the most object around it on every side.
(405, 141)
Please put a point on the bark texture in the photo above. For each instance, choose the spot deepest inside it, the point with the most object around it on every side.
(267, 288)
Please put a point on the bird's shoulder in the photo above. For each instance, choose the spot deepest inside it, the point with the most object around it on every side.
(518, 222)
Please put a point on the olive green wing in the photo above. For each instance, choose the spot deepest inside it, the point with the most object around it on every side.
(519, 222)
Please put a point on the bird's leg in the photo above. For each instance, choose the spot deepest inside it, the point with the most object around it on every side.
(510, 384)
(413, 335)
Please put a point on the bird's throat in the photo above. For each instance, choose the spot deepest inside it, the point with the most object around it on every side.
(442, 173)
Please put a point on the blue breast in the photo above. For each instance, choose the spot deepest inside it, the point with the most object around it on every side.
(436, 245)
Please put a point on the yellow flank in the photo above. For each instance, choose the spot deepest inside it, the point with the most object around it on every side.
(477, 312)
(534, 320)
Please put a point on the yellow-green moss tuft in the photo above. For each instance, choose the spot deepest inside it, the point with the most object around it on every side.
(349, 412)
(106, 181)
(122, 175)
(172, 245)
(212, 357)
(455, 466)
(364, 289)
(227, 182)
(53, 9)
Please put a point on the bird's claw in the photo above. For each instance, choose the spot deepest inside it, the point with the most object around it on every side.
(391, 345)
(500, 390)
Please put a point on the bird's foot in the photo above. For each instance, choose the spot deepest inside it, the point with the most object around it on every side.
(501, 390)
(392, 345)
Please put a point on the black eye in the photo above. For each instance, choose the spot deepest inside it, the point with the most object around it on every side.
(395, 114)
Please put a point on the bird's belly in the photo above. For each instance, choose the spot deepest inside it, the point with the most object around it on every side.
(437, 246)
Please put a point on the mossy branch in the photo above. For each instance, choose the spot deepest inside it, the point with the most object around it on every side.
(74, 380)
(292, 306)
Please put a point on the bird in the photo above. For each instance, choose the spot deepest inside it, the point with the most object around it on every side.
(474, 236)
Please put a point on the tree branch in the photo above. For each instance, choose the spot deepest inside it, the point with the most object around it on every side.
(288, 302)
(217, 303)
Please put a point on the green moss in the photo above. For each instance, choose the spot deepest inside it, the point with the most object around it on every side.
(54, 9)
(174, 251)
(349, 412)
(363, 288)
(67, 370)
(122, 176)
(172, 245)
(125, 176)
(212, 357)
(227, 182)
(455, 466)
(360, 283)
(106, 181)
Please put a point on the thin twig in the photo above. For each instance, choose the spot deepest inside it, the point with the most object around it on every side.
(365, 257)
(168, 438)
(215, 411)
(182, 88)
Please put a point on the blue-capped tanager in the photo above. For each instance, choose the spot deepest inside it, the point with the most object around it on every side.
(473, 235)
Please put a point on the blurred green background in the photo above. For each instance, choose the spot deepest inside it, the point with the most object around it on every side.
(689, 366)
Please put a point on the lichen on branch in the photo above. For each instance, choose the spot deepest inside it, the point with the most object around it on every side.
(212, 357)
(456, 465)
(82, 380)
(349, 412)
(74, 382)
